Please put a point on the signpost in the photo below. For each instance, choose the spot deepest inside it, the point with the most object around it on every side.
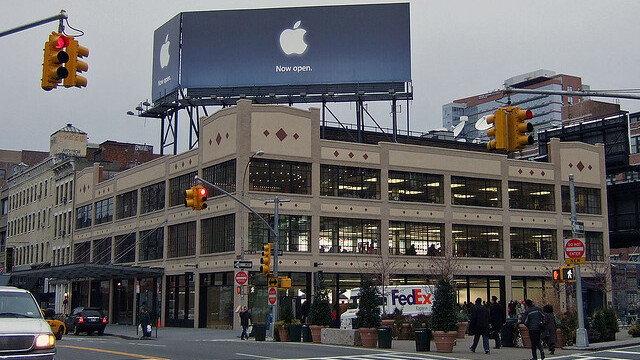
(241, 277)
(273, 295)
(242, 264)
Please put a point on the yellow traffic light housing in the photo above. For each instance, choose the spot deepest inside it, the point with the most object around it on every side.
(265, 260)
(498, 131)
(190, 198)
(75, 65)
(517, 128)
(53, 70)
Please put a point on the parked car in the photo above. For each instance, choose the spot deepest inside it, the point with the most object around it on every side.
(86, 319)
(57, 326)
(24, 334)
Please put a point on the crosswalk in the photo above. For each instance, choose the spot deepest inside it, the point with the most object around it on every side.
(385, 356)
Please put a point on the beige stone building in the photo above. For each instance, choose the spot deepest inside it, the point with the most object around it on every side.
(352, 206)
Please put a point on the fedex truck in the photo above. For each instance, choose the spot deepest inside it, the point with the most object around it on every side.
(411, 299)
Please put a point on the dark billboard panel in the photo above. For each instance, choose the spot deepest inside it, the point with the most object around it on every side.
(295, 46)
(166, 59)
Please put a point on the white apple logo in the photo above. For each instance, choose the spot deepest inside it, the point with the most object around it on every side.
(164, 52)
(292, 40)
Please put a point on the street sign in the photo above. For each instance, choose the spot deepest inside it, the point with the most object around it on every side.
(242, 264)
(272, 282)
(273, 295)
(574, 248)
(241, 277)
(575, 261)
(577, 227)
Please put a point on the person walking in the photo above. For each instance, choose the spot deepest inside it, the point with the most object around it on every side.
(551, 335)
(479, 325)
(245, 321)
(535, 322)
(497, 318)
(145, 322)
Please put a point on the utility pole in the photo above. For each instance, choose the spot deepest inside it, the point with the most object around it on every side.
(276, 223)
(582, 340)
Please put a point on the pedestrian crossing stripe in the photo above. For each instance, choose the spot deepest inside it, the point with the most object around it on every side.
(384, 356)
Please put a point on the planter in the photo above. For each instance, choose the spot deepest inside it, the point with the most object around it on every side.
(405, 332)
(316, 333)
(369, 337)
(295, 332)
(387, 323)
(561, 341)
(444, 340)
(462, 329)
(284, 334)
(524, 334)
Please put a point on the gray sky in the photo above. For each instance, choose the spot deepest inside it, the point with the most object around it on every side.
(459, 49)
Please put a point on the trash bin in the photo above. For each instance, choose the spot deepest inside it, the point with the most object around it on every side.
(506, 332)
(260, 331)
(384, 337)
(355, 323)
(295, 332)
(423, 339)
(306, 333)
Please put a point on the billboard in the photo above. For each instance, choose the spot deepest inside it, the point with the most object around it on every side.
(349, 44)
(166, 59)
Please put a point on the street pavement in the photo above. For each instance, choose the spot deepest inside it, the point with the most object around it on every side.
(625, 347)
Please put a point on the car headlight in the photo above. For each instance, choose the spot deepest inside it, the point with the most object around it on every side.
(45, 341)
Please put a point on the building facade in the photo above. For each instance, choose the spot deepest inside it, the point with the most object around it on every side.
(351, 208)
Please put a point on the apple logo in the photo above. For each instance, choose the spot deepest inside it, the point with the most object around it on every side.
(164, 52)
(292, 40)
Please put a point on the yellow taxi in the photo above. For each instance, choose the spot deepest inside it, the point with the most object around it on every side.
(57, 327)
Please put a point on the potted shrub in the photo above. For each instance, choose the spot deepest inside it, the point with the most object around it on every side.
(369, 313)
(463, 323)
(444, 318)
(281, 329)
(634, 331)
(320, 315)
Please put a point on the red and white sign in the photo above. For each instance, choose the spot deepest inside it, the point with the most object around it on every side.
(273, 296)
(574, 248)
(241, 277)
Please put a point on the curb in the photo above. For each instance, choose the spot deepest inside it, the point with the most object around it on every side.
(604, 346)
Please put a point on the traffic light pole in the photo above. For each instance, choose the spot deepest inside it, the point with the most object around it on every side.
(60, 17)
(276, 223)
(582, 340)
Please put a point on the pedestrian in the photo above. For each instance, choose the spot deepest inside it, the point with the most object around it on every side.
(144, 322)
(245, 321)
(534, 320)
(512, 309)
(551, 336)
(479, 325)
(268, 320)
(497, 318)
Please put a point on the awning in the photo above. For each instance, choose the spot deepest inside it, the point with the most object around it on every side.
(92, 271)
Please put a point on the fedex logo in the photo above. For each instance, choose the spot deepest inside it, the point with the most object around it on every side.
(415, 298)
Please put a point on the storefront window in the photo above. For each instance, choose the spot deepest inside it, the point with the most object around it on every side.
(216, 291)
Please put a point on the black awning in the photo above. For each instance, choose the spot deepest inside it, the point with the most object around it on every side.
(89, 270)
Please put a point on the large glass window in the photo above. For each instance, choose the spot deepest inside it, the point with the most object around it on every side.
(182, 240)
(531, 196)
(476, 192)
(416, 187)
(151, 244)
(222, 175)
(412, 238)
(295, 232)
(82, 252)
(125, 246)
(477, 241)
(341, 235)
(152, 198)
(83, 216)
(588, 200)
(104, 211)
(350, 182)
(529, 243)
(102, 251)
(178, 186)
(127, 204)
(280, 176)
(218, 234)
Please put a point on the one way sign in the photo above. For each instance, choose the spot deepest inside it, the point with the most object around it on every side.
(568, 274)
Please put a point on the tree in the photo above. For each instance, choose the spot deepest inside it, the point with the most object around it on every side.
(444, 317)
(320, 307)
(369, 310)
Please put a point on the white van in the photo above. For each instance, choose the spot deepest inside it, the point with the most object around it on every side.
(410, 299)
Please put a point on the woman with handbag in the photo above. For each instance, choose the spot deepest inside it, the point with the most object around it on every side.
(551, 335)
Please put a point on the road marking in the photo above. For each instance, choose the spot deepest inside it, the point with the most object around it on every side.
(384, 355)
(112, 352)
(624, 352)
(257, 356)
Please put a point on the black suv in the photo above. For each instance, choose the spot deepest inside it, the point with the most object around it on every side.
(86, 319)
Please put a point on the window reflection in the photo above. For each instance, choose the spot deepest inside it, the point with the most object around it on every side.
(533, 243)
(280, 176)
(294, 235)
(409, 238)
(476, 192)
(587, 200)
(477, 241)
(349, 182)
(416, 187)
(531, 196)
(339, 235)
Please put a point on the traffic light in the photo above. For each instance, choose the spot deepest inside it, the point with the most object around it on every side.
(201, 198)
(53, 70)
(517, 127)
(557, 275)
(568, 273)
(75, 65)
(265, 260)
(190, 198)
(498, 131)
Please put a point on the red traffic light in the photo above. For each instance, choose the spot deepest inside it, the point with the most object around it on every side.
(203, 191)
(528, 115)
(63, 42)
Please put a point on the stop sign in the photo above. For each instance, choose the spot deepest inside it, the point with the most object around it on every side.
(273, 296)
(241, 277)
(574, 248)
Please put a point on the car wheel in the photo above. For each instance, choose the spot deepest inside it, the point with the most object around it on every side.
(76, 331)
(59, 334)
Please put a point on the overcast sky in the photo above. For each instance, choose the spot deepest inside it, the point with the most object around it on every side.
(459, 49)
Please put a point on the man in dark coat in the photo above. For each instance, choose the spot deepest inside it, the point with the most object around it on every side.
(534, 320)
(245, 321)
(497, 318)
(479, 325)
(552, 336)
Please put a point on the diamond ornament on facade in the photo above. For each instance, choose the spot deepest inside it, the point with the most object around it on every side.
(281, 134)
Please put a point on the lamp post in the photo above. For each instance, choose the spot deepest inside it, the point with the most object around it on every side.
(244, 176)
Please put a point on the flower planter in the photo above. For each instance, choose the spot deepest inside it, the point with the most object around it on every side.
(387, 323)
(405, 332)
(316, 333)
(524, 334)
(284, 334)
(444, 340)
(369, 337)
(462, 329)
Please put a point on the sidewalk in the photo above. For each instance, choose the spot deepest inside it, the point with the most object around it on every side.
(460, 351)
